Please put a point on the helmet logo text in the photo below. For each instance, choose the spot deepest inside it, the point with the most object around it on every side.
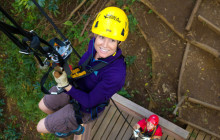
(112, 17)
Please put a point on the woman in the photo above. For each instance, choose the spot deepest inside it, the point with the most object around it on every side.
(101, 73)
(149, 127)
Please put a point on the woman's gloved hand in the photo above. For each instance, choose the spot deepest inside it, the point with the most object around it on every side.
(61, 80)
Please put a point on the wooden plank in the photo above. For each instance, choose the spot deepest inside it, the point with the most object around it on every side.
(213, 138)
(117, 127)
(170, 138)
(124, 128)
(198, 127)
(129, 131)
(182, 70)
(194, 134)
(164, 136)
(105, 123)
(200, 136)
(146, 113)
(190, 130)
(99, 121)
(93, 124)
(207, 137)
(204, 103)
(111, 125)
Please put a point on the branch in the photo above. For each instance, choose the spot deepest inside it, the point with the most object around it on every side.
(71, 14)
(195, 9)
(94, 2)
(210, 25)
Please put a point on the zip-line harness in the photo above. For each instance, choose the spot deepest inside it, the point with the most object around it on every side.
(57, 51)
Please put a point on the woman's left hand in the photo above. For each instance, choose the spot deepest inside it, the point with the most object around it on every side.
(62, 80)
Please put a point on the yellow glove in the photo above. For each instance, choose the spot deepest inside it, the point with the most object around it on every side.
(62, 81)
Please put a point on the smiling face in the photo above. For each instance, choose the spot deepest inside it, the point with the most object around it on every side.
(104, 47)
(150, 126)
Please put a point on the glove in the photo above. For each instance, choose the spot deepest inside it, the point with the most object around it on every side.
(136, 133)
(62, 81)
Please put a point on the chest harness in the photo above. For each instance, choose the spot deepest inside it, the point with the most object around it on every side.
(80, 72)
(147, 133)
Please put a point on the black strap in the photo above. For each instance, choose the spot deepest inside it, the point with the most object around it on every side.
(90, 69)
(94, 110)
(78, 114)
(150, 134)
(13, 38)
(21, 31)
(84, 66)
(44, 78)
(55, 27)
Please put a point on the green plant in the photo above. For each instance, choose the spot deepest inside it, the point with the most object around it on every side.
(168, 99)
(2, 103)
(150, 11)
(130, 2)
(132, 23)
(119, 3)
(129, 60)
(124, 93)
(10, 133)
(149, 62)
(19, 73)
(1, 111)
(135, 91)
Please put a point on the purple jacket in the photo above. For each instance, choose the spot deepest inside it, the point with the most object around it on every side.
(99, 86)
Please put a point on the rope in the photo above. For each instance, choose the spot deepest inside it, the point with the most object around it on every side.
(124, 117)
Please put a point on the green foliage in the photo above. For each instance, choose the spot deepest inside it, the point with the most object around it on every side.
(74, 32)
(19, 73)
(119, 3)
(2, 103)
(132, 23)
(150, 11)
(129, 60)
(10, 133)
(53, 6)
(149, 62)
(135, 91)
(124, 93)
(1, 111)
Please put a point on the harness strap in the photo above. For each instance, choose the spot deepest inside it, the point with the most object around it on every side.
(80, 72)
(94, 111)
(85, 70)
(76, 107)
(44, 78)
(150, 134)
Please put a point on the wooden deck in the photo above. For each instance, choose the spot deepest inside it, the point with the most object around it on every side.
(112, 126)
(195, 134)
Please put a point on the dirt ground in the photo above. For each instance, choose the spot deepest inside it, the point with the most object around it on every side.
(159, 43)
(200, 78)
